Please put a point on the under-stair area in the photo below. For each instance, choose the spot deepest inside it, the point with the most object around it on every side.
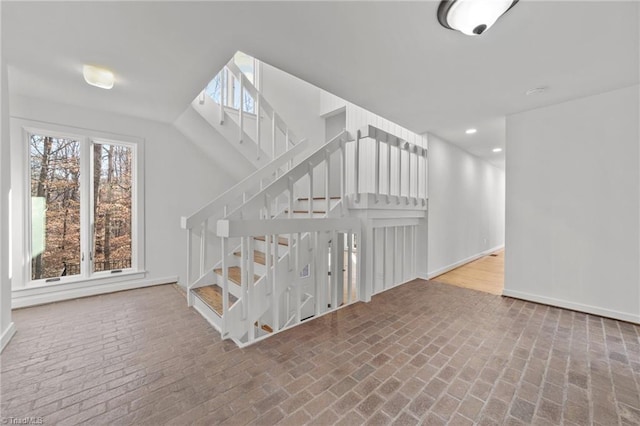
(305, 234)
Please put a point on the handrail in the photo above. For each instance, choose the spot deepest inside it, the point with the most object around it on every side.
(264, 104)
(229, 228)
(296, 173)
(241, 187)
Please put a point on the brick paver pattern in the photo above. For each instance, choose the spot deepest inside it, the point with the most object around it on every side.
(423, 352)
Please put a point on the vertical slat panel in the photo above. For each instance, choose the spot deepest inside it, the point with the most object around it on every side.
(383, 250)
(404, 255)
(335, 275)
(249, 296)
(315, 272)
(395, 254)
(350, 282)
(343, 170)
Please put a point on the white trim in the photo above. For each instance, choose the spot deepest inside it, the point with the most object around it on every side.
(596, 310)
(469, 259)
(23, 298)
(7, 335)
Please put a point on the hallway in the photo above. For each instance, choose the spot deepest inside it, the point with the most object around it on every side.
(485, 274)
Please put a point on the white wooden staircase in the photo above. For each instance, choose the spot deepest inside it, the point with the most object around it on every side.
(280, 247)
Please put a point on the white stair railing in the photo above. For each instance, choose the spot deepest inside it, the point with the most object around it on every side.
(400, 168)
(198, 223)
(278, 129)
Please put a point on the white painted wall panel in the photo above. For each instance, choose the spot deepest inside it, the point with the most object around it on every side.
(573, 204)
(466, 206)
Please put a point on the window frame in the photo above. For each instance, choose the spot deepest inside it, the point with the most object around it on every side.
(22, 130)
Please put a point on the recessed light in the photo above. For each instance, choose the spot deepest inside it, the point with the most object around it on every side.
(536, 91)
(97, 76)
(471, 131)
(497, 149)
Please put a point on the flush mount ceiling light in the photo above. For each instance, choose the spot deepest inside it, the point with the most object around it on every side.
(497, 149)
(470, 131)
(536, 91)
(472, 17)
(97, 76)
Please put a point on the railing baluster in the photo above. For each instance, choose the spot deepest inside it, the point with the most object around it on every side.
(225, 284)
(251, 284)
(327, 181)
(203, 246)
(189, 256)
(417, 184)
(404, 254)
(377, 171)
(275, 301)
(388, 171)
(399, 171)
(396, 253)
(223, 93)
(383, 250)
(343, 171)
(273, 135)
(357, 167)
(426, 177)
(315, 273)
(310, 189)
(258, 126)
(408, 173)
(243, 276)
(334, 270)
(350, 282)
(286, 146)
(241, 109)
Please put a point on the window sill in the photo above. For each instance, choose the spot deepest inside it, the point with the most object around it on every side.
(48, 293)
(70, 283)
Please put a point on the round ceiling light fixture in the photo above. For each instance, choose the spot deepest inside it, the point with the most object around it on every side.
(472, 17)
(98, 76)
(470, 131)
(497, 149)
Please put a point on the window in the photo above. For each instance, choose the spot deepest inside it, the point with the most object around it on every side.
(83, 216)
(231, 93)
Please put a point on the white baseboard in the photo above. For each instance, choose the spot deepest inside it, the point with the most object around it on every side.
(7, 335)
(31, 297)
(459, 263)
(589, 309)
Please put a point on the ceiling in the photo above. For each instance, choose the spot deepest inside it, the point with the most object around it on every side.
(392, 58)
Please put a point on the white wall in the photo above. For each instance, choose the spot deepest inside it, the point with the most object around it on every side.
(6, 325)
(296, 101)
(178, 178)
(466, 207)
(573, 205)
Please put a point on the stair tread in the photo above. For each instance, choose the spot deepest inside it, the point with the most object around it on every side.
(235, 274)
(281, 240)
(264, 327)
(212, 296)
(258, 257)
(318, 198)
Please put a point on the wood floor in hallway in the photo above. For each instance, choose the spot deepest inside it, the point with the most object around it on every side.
(484, 274)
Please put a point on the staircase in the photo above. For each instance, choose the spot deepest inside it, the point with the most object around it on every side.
(280, 247)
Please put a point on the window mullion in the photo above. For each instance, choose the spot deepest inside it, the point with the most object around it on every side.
(86, 184)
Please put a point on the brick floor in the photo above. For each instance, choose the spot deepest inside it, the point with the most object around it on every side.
(421, 353)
